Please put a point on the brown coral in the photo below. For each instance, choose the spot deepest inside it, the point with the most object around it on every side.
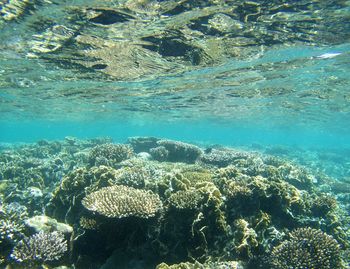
(122, 201)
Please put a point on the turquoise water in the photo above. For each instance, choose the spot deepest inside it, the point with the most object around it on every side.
(284, 96)
(199, 131)
(239, 82)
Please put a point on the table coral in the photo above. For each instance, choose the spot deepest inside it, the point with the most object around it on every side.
(121, 201)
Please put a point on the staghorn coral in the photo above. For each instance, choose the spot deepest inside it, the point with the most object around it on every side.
(307, 248)
(40, 247)
(12, 222)
(10, 231)
(109, 154)
(121, 201)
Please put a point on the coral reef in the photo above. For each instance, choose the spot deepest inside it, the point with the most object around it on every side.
(188, 208)
(121, 201)
(307, 248)
(65, 203)
(40, 247)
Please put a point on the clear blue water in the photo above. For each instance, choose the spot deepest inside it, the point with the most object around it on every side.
(312, 108)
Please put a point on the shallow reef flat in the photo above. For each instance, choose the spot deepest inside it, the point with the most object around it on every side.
(164, 204)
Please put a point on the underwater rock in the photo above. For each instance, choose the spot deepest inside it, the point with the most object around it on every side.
(144, 155)
(180, 151)
(121, 201)
(46, 224)
(143, 143)
(307, 248)
(40, 247)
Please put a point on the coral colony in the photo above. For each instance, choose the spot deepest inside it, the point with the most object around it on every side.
(158, 203)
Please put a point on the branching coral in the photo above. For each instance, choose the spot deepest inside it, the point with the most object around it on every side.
(40, 247)
(121, 201)
(11, 222)
(307, 248)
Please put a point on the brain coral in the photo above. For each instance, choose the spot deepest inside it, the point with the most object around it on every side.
(121, 201)
(307, 248)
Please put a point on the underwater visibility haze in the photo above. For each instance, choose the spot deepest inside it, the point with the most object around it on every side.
(174, 134)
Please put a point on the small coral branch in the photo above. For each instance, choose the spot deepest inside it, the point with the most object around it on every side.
(40, 247)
